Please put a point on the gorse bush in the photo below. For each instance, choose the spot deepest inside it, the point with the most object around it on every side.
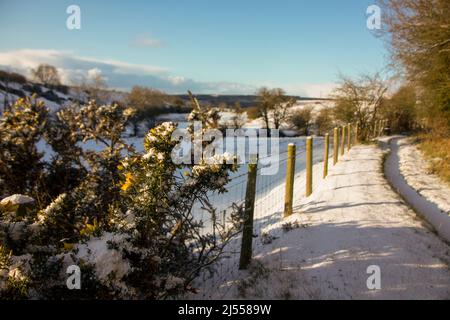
(21, 128)
(124, 218)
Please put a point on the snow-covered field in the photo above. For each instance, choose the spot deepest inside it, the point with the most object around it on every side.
(65, 99)
(315, 105)
(267, 200)
(352, 221)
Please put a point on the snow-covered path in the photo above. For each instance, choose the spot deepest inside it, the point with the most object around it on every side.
(352, 221)
(355, 220)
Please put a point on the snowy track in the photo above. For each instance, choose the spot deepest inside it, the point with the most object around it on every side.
(353, 220)
(357, 221)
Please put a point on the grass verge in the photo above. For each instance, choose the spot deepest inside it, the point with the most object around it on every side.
(437, 151)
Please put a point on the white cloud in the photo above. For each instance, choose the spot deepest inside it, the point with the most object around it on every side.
(26, 59)
(127, 68)
(176, 80)
(119, 74)
(73, 68)
(124, 75)
(95, 73)
(69, 76)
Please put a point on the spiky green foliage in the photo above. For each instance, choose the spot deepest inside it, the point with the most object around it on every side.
(126, 219)
(21, 164)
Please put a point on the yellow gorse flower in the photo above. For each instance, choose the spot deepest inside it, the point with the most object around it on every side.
(89, 228)
(128, 182)
(68, 246)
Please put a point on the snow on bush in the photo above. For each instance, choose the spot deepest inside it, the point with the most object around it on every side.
(16, 199)
(124, 218)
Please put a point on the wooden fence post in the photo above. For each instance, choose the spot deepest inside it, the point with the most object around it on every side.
(326, 155)
(309, 174)
(356, 132)
(335, 146)
(343, 141)
(290, 172)
(247, 232)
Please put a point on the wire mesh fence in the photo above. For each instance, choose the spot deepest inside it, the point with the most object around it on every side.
(268, 209)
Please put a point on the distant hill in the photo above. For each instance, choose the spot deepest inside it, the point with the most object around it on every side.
(230, 100)
(54, 98)
(14, 86)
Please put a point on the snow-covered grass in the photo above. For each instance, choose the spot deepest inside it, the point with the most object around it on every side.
(352, 221)
(51, 105)
(415, 168)
(406, 171)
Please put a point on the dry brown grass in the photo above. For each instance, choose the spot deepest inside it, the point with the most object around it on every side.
(437, 151)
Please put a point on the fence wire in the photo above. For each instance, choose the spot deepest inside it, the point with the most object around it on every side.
(269, 208)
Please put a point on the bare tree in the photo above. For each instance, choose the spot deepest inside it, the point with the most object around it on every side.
(324, 121)
(46, 74)
(359, 100)
(97, 88)
(148, 103)
(273, 105)
(281, 107)
(264, 104)
(302, 119)
(238, 118)
(91, 87)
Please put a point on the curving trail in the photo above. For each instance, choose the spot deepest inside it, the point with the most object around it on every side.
(354, 220)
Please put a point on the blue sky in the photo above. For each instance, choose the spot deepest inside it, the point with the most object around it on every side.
(208, 46)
